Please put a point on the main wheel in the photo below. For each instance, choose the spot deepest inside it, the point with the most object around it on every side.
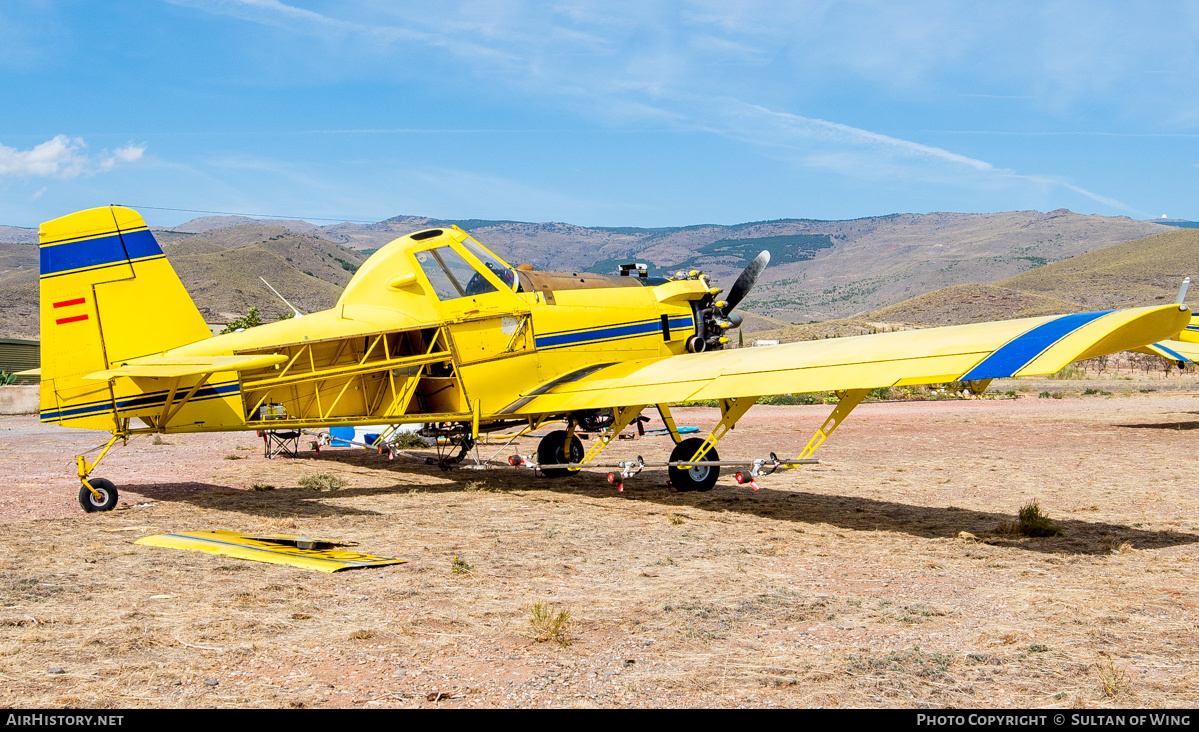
(697, 477)
(552, 451)
(108, 495)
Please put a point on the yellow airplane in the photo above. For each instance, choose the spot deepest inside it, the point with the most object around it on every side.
(436, 329)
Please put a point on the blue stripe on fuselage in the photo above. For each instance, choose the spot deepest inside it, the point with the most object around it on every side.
(1020, 351)
(111, 249)
(602, 334)
(147, 400)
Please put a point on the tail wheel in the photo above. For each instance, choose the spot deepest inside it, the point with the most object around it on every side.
(553, 451)
(697, 477)
(107, 499)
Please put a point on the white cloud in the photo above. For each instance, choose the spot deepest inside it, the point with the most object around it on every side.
(129, 153)
(60, 157)
(63, 157)
(687, 68)
(865, 154)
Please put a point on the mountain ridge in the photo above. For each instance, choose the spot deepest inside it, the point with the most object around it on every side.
(834, 269)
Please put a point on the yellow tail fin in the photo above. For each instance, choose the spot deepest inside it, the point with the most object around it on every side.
(108, 295)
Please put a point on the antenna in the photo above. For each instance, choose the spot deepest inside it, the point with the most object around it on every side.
(300, 315)
(1182, 291)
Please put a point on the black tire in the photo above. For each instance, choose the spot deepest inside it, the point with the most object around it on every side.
(107, 490)
(695, 478)
(552, 451)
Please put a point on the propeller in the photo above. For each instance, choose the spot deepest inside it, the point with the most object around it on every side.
(719, 316)
(745, 282)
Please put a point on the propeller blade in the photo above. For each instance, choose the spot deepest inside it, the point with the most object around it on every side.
(746, 281)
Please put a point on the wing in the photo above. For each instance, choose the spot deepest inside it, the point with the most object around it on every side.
(161, 367)
(956, 353)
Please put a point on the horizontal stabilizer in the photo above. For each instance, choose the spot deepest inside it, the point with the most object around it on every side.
(159, 367)
(1181, 352)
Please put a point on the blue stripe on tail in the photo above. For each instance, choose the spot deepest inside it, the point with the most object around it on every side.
(111, 249)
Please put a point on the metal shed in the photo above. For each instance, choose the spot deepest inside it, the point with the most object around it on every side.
(19, 355)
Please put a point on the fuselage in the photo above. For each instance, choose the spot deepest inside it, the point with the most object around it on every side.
(432, 328)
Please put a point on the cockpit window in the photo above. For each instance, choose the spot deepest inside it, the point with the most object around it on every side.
(450, 274)
(502, 271)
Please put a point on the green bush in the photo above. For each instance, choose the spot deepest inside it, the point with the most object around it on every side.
(249, 320)
(407, 439)
(1033, 522)
(792, 399)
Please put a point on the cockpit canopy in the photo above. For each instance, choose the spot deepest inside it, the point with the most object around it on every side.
(452, 276)
(455, 266)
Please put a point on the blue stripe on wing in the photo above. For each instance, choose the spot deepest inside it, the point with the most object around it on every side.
(1020, 351)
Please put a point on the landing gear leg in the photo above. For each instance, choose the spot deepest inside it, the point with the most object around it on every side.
(96, 494)
(668, 420)
(558, 448)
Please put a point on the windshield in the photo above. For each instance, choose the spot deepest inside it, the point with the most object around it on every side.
(497, 267)
(451, 276)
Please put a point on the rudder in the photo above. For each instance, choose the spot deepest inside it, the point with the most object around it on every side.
(108, 294)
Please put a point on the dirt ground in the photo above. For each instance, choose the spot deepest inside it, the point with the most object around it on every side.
(842, 584)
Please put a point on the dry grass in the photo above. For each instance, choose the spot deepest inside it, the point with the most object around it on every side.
(550, 623)
(1113, 680)
(321, 482)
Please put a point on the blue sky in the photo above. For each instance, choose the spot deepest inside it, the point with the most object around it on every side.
(606, 113)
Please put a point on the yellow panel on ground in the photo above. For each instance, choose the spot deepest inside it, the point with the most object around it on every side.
(274, 549)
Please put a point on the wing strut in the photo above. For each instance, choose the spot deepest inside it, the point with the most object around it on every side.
(731, 410)
(668, 420)
(622, 417)
(849, 400)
